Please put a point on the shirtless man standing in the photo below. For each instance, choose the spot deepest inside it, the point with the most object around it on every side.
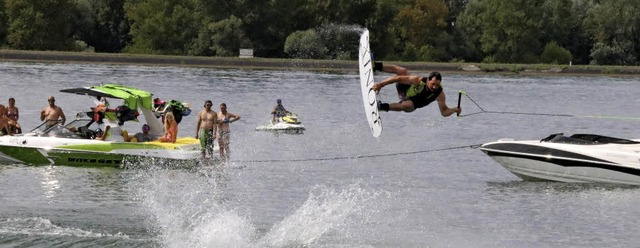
(52, 113)
(224, 133)
(206, 129)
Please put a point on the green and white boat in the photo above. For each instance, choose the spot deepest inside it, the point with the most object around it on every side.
(74, 144)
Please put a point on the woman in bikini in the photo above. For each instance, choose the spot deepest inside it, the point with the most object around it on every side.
(14, 115)
(224, 133)
(170, 129)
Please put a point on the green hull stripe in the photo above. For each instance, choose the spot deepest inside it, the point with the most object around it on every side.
(25, 154)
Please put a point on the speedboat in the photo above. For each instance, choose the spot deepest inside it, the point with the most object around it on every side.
(75, 144)
(583, 158)
(287, 123)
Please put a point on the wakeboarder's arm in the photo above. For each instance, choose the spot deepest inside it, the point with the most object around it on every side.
(415, 80)
(444, 109)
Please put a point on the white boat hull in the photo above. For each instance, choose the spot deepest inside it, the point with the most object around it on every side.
(35, 150)
(533, 170)
(568, 161)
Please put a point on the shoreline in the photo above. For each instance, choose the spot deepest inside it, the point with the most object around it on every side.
(308, 64)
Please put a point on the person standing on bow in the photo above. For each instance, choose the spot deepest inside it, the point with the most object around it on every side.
(224, 133)
(206, 129)
(414, 91)
(51, 113)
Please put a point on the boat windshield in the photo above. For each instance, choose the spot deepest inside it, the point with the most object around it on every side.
(42, 128)
(71, 130)
(586, 139)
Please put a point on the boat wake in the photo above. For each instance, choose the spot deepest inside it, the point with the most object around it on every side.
(325, 210)
(34, 228)
(195, 210)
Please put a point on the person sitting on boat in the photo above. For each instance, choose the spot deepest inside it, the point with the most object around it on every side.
(14, 115)
(170, 129)
(278, 111)
(102, 135)
(52, 113)
(143, 136)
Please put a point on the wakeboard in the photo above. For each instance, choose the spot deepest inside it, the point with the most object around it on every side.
(369, 96)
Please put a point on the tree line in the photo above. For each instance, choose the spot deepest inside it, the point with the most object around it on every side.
(604, 32)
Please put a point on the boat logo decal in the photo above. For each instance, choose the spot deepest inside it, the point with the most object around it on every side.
(94, 161)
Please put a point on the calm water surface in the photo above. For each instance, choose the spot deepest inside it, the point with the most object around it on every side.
(428, 189)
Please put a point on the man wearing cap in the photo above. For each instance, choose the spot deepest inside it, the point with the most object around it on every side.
(52, 113)
(278, 111)
(143, 136)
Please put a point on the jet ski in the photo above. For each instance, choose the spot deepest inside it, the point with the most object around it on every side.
(288, 123)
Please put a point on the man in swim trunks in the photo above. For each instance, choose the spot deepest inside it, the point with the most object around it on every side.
(52, 113)
(414, 91)
(206, 129)
(224, 133)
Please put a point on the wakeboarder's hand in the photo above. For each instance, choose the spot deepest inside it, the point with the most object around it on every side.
(376, 87)
(457, 110)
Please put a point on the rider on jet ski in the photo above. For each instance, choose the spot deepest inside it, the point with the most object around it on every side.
(278, 111)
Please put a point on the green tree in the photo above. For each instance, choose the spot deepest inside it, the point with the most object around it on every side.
(512, 30)
(40, 24)
(3, 23)
(339, 11)
(505, 31)
(574, 36)
(228, 37)
(305, 45)
(421, 24)
(384, 42)
(555, 54)
(452, 42)
(470, 29)
(267, 23)
(109, 30)
(342, 41)
(163, 26)
(615, 32)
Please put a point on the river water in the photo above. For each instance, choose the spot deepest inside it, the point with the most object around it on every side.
(421, 184)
